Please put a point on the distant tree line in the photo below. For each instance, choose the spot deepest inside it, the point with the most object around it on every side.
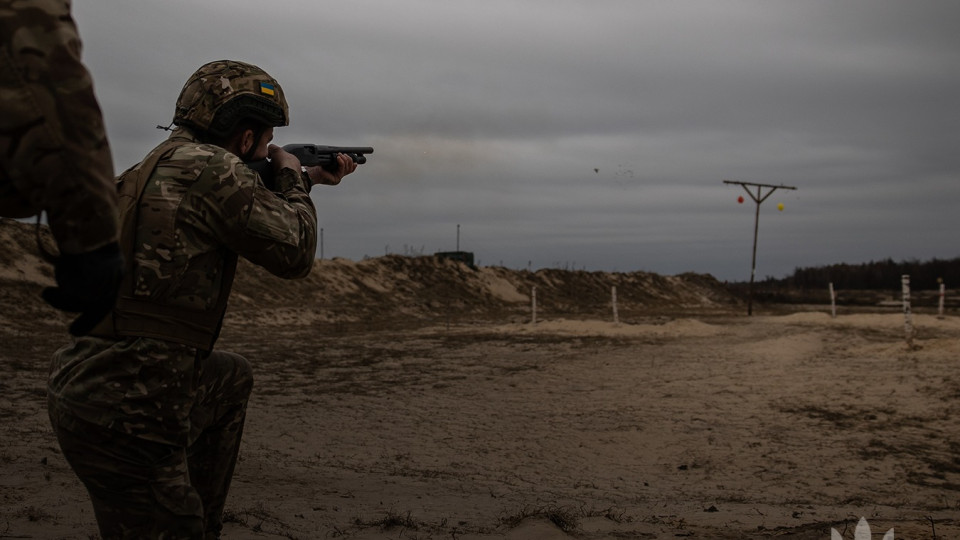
(874, 275)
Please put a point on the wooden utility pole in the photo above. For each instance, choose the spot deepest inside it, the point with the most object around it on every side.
(758, 198)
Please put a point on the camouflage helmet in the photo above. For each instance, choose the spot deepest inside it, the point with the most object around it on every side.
(222, 93)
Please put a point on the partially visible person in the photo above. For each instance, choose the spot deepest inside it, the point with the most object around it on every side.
(148, 415)
(54, 155)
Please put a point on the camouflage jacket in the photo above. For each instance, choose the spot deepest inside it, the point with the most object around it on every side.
(187, 211)
(201, 207)
(54, 154)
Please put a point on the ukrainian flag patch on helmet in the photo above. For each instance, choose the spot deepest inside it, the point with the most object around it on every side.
(267, 88)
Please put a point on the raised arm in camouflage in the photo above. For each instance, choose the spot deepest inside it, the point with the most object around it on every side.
(149, 387)
(54, 155)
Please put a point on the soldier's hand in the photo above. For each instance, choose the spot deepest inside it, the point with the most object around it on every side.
(319, 176)
(86, 284)
(281, 159)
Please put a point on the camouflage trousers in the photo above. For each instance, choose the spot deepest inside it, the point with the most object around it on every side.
(150, 490)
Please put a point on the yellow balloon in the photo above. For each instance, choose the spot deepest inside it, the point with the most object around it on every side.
(780, 207)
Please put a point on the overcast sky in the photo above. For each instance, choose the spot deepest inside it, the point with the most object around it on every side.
(585, 134)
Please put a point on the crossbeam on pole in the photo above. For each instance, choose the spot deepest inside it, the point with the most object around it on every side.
(758, 198)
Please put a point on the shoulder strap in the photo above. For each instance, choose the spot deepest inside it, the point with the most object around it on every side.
(130, 187)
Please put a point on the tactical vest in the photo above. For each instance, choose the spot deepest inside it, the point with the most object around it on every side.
(142, 317)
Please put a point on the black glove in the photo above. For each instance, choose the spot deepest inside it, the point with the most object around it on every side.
(86, 284)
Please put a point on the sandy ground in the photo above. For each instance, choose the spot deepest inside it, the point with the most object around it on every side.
(710, 427)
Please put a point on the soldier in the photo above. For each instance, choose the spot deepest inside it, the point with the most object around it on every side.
(147, 414)
(54, 155)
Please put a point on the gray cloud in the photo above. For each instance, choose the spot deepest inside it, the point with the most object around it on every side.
(496, 115)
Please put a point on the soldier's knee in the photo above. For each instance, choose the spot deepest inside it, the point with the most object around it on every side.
(237, 369)
(244, 375)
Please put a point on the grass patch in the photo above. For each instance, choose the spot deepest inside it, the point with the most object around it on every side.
(565, 518)
(392, 520)
(33, 513)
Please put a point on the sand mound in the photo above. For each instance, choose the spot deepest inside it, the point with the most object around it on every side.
(398, 290)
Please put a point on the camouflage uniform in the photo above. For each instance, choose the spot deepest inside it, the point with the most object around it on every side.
(55, 155)
(156, 442)
(148, 418)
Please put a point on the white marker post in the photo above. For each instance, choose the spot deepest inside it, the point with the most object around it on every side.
(833, 302)
(616, 316)
(907, 316)
(943, 292)
(533, 306)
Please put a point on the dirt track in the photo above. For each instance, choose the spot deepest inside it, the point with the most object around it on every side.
(727, 427)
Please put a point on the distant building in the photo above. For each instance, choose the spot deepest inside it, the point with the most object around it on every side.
(465, 257)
